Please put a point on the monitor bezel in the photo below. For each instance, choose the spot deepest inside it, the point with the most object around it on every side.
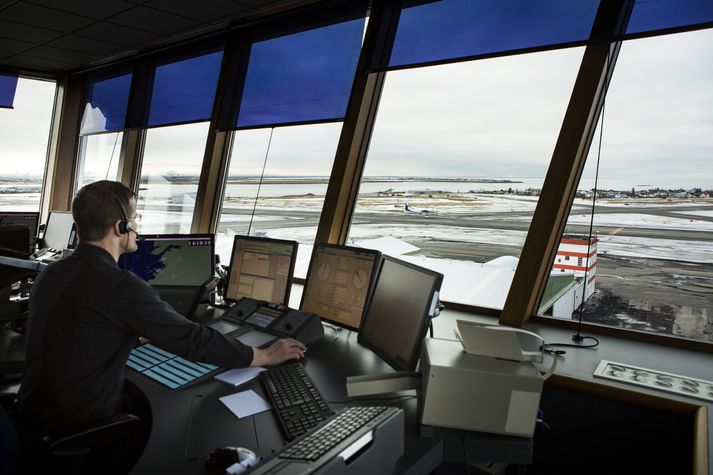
(424, 319)
(264, 239)
(372, 279)
(179, 236)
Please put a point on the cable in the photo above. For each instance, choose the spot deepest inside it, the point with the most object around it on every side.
(111, 157)
(465, 453)
(259, 185)
(578, 336)
(547, 347)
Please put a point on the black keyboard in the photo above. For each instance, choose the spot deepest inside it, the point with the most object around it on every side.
(366, 439)
(341, 427)
(298, 404)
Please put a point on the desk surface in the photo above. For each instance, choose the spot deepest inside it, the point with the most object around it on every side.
(190, 422)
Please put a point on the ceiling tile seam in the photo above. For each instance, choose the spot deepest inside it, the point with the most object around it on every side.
(29, 2)
(9, 5)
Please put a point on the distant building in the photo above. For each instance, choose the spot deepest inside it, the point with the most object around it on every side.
(575, 258)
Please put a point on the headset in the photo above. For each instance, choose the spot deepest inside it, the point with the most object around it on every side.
(124, 224)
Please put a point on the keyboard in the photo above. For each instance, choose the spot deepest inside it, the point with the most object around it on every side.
(367, 439)
(166, 368)
(297, 402)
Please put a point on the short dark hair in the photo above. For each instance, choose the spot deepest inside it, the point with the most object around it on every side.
(96, 208)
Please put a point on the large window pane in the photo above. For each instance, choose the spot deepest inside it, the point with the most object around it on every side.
(170, 171)
(303, 77)
(455, 164)
(106, 102)
(184, 91)
(8, 86)
(287, 202)
(656, 14)
(652, 265)
(24, 135)
(450, 29)
(98, 158)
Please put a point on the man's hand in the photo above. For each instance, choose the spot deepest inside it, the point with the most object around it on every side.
(281, 350)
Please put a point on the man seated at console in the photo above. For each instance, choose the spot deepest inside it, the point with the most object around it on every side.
(86, 313)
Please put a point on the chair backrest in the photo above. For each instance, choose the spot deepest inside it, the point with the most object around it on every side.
(9, 442)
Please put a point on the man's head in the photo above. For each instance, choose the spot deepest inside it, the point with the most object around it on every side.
(99, 208)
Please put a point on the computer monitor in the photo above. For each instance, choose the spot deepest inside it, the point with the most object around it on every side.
(27, 218)
(261, 268)
(175, 265)
(15, 241)
(399, 312)
(24, 218)
(339, 283)
(172, 259)
(60, 231)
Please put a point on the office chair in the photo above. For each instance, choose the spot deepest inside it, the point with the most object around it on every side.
(83, 448)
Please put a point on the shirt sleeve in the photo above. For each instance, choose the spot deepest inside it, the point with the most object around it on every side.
(138, 309)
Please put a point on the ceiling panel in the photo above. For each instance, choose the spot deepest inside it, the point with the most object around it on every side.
(13, 46)
(93, 47)
(98, 9)
(49, 52)
(31, 34)
(54, 36)
(118, 34)
(211, 11)
(34, 15)
(148, 19)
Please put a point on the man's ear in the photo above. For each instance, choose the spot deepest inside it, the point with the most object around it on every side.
(115, 228)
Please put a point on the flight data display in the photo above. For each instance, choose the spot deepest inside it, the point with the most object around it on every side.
(261, 268)
(339, 282)
(185, 260)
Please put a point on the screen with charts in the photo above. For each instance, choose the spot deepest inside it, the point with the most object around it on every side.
(60, 232)
(339, 283)
(261, 268)
(172, 259)
(399, 312)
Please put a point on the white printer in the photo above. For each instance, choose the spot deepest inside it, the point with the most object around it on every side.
(486, 382)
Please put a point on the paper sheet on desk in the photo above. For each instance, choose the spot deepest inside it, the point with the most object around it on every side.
(245, 403)
(238, 376)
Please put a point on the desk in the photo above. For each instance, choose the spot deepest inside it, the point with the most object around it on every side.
(190, 422)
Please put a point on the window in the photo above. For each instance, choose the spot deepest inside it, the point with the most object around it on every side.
(456, 163)
(170, 171)
(651, 255)
(99, 157)
(24, 137)
(277, 191)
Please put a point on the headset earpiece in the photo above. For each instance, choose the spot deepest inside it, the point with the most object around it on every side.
(124, 224)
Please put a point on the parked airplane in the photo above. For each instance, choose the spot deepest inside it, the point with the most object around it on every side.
(420, 212)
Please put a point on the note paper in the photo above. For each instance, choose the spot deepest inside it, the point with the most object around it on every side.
(245, 403)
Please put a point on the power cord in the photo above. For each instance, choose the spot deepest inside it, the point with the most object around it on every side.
(548, 347)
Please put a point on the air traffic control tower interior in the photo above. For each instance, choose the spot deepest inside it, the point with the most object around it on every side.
(535, 171)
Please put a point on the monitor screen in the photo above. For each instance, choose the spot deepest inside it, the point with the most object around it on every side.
(261, 268)
(183, 260)
(24, 218)
(60, 232)
(29, 219)
(339, 283)
(399, 312)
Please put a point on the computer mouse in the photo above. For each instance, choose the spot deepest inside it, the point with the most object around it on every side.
(225, 457)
